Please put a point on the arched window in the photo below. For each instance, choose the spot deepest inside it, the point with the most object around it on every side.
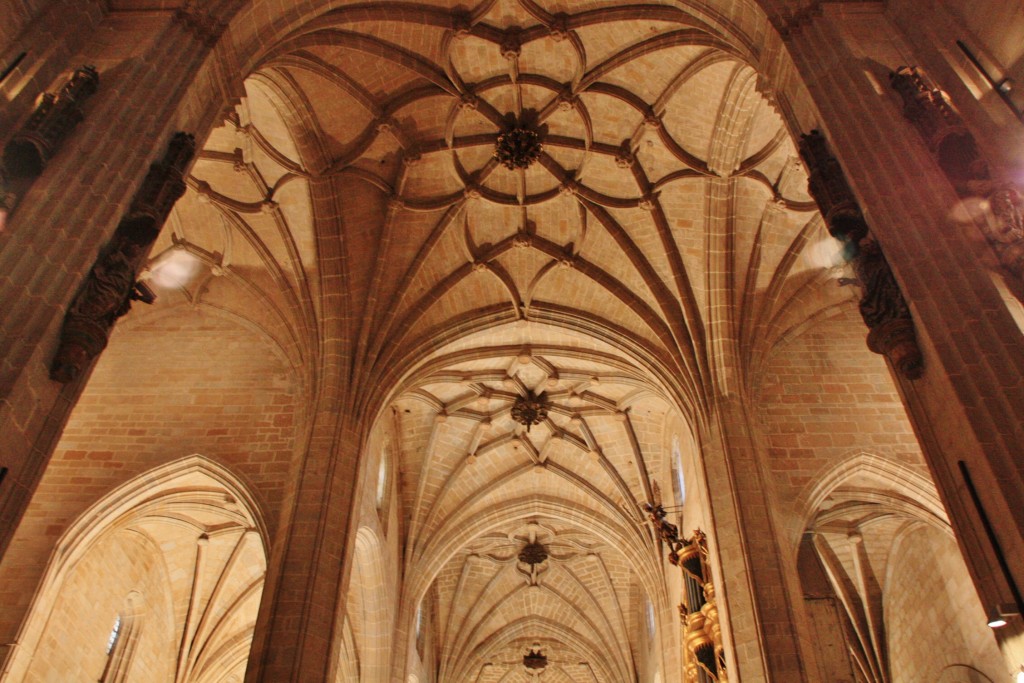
(418, 630)
(122, 640)
(115, 632)
(678, 479)
(382, 478)
(649, 615)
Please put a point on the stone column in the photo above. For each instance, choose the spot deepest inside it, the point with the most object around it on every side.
(64, 221)
(757, 581)
(296, 634)
(968, 405)
(298, 626)
(61, 224)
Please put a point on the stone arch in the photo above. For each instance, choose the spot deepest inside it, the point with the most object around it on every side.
(368, 608)
(927, 575)
(255, 31)
(875, 532)
(446, 541)
(526, 629)
(899, 485)
(843, 595)
(290, 25)
(254, 28)
(454, 533)
(963, 673)
(190, 513)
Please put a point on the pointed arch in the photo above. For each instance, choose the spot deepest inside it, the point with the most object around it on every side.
(189, 529)
(368, 607)
(894, 481)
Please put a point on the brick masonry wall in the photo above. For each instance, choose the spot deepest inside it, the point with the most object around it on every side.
(824, 397)
(191, 383)
(933, 617)
(75, 642)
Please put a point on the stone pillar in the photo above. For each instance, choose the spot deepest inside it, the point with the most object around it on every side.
(63, 221)
(968, 405)
(296, 634)
(298, 626)
(756, 576)
(53, 238)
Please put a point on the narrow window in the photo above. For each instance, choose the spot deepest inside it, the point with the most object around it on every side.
(382, 479)
(649, 613)
(121, 642)
(678, 480)
(419, 630)
(115, 633)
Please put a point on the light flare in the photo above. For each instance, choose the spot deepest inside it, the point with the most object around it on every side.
(827, 254)
(969, 210)
(173, 268)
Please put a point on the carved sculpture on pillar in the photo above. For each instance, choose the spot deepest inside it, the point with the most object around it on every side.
(32, 147)
(885, 311)
(932, 113)
(112, 284)
(203, 23)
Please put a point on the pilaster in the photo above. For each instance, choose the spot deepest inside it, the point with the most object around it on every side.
(295, 637)
(968, 406)
(754, 568)
(52, 240)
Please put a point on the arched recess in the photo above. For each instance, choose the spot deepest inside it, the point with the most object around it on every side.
(368, 613)
(184, 546)
(865, 471)
(883, 582)
(935, 625)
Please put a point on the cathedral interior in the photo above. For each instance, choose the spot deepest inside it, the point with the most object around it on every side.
(498, 341)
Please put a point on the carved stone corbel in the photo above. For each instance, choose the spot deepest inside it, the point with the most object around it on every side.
(112, 283)
(36, 142)
(882, 305)
(885, 311)
(943, 130)
(203, 23)
(956, 151)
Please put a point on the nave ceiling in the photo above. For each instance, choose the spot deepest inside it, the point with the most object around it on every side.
(652, 258)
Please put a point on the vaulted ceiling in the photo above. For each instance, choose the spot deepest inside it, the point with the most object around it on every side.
(655, 254)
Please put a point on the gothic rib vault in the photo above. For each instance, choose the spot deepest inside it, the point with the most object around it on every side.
(652, 257)
(349, 246)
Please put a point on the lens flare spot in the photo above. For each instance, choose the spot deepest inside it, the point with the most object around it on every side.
(174, 268)
(969, 210)
(827, 254)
